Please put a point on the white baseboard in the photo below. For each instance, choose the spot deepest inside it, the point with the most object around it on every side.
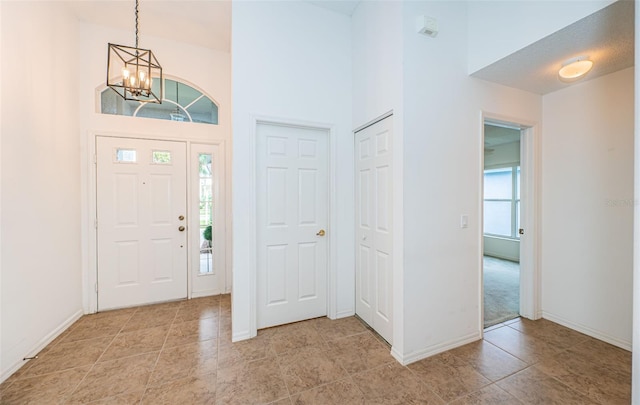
(237, 337)
(346, 313)
(41, 344)
(418, 355)
(205, 293)
(623, 344)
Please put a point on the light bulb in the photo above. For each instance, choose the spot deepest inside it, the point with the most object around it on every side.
(125, 73)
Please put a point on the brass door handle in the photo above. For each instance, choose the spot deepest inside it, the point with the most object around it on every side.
(320, 232)
(181, 217)
(181, 228)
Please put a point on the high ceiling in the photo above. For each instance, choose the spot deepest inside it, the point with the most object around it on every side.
(346, 7)
(606, 36)
(204, 23)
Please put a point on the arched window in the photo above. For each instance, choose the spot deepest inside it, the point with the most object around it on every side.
(180, 102)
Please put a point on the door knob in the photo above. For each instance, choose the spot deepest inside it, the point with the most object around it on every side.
(181, 228)
(181, 217)
(521, 231)
(320, 232)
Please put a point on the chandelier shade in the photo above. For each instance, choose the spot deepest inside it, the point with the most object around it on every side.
(134, 73)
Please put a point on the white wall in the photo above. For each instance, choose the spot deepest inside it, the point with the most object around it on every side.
(291, 60)
(377, 44)
(502, 248)
(207, 69)
(587, 207)
(635, 371)
(442, 159)
(511, 25)
(41, 289)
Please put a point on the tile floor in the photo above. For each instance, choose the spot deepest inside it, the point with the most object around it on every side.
(181, 353)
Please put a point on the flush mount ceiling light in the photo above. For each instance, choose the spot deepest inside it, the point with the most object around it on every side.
(575, 68)
(134, 73)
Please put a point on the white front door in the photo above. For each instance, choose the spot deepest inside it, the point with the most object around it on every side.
(374, 191)
(292, 199)
(141, 220)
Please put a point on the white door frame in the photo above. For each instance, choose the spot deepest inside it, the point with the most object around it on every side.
(530, 306)
(90, 276)
(332, 217)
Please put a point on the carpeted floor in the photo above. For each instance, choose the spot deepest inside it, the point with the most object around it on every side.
(501, 290)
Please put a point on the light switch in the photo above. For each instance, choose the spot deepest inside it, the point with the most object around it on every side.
(464, 221)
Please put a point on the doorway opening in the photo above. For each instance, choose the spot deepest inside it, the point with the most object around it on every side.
(501, 225)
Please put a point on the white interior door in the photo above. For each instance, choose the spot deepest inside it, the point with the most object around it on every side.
(141, 221)
(374, 265)
(291, 222)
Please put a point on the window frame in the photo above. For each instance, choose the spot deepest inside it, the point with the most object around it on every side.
(138, 106)
(514, 200)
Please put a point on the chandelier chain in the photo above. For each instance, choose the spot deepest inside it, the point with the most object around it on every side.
(136, 23)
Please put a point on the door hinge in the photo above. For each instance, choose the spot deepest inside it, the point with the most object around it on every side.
(95, 159)
(96, 285)
(95, 223)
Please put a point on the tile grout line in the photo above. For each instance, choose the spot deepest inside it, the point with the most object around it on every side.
(155, 364)
(71, 392)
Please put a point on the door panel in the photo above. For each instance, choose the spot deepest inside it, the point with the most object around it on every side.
(374, 224)
(142, 255)
(291, 209)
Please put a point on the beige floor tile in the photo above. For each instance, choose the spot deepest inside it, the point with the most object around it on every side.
(200, 308)
(225, 333)
(393, 384)
(295, 336)
(250, 383)
(341, 392)
(141, 341)
(609, 356)
(129, 398)
(162, 306)
(599, 383)
(94, 326)
(359, 353)
(151, 319)
(48, 388)
(193, 390)
(532, 386)
(331, 329)
(525, 347)
(184, 361)
(490, 395)
(192, 331)
(448, 376)
(490, 361)
(230, 354)
(190, 359)
(283, 401)
(306, 368)
(550, 332)
(66, 355)
(113, 378)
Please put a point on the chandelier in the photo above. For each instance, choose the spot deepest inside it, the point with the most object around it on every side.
(132, 71)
